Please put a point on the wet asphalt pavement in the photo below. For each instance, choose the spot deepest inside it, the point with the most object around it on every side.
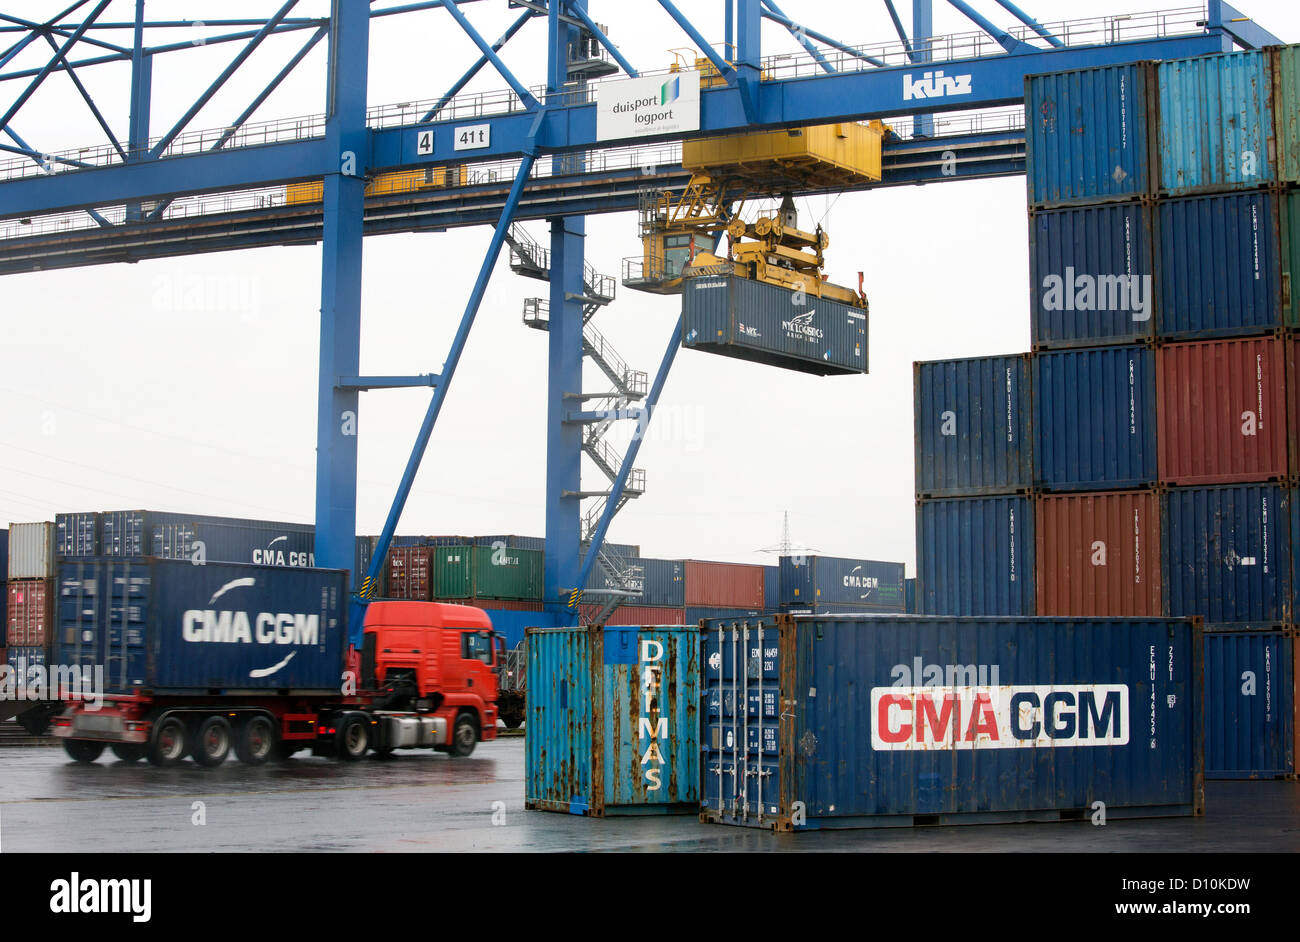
(427, 801)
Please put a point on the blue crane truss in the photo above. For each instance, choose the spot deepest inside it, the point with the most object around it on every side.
(526, 127)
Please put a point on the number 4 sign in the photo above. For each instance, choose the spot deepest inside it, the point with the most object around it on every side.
(424, 142)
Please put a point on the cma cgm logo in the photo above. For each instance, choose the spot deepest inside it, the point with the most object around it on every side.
(935, 85)
(214, 625)
(927, 718)
(801, 326)
(276, 554)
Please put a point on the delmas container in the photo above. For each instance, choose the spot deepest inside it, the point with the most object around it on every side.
(1250, 728)
(867, 584)
(613, 720)
(169, 626)
(975, 556)
(974, 431)
(894, 721)
(769, 324)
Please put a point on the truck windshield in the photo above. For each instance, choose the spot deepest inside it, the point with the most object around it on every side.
(476, 646)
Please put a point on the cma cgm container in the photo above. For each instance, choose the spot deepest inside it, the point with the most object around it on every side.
(30, 612)
(31, 550)
(1222, 411)
(76, 534)
(1087, 134)
(975, 556)
(724, 585)
(170, 626)
(974, 433)
(1227, 554)
(867, 584)
(1098, 554)
(1095, 418)
(765, 323)
(1090, 271)
(1220, 269)
(134, 533)
(893, 721)
(1216, 122)
(1250, 720)
(613, 720)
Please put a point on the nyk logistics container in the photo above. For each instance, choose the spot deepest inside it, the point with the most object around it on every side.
(1250, 721)
(1216, 122)
(31, 550)
(1221, 409)
(1227, 554)
(893, 721)
(1098, 555)
(766, 323)
(867, 584)
(1090, 271)
(975, 556)
(1095, 418)
(724, 585)
(30, 611)
(613, 720)
(172, 627)
(1087, 134)
(973, 426)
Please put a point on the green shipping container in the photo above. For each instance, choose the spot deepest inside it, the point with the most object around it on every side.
(1286, 84)
(1289, 227)
(453, 572)
(486, 572)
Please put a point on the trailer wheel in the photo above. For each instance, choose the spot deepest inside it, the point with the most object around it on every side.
(212, 744)
(129, 751)
(353, 738)
(256, 740)
(83, 750)
(169, 742)
(464, 736)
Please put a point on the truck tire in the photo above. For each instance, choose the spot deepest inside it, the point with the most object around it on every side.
(212, 744)
(83, 750)
(353, 738)
(129, 751)
(256, 740)
(464, 736)
(169, 742)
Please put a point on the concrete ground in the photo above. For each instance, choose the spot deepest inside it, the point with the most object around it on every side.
(427, 801)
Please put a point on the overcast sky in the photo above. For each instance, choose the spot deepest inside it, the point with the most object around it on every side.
(189, 384)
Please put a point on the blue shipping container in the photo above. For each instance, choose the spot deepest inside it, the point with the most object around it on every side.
(975, 556)
(910, 591)
(1216, 122)
(1250, 729)
(512, 625)
(76, 534)
(867, 584)
(973, 426)
(697, 613)
(170, 626)
(658, 583)
(1090, 275)
(1095, 418)
(888, 721)
(27, 665)
(769, 324)
(1087, 134)
(612, 721)
(1220, 270)
(1227, 554)
(771, 587)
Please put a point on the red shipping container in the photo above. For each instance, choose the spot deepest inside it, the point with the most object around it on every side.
(1098, 554)
(30, 612)
(1293, 414)
(410, 571)
(502, 605)
(646, 615)
(723, 585)
(1221, 411)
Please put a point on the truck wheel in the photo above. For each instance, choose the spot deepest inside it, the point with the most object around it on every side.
(353, 738)
(257, 740)
(83, 750)
(129, 751)
(464, 736)
(212, 744)
(169, 742)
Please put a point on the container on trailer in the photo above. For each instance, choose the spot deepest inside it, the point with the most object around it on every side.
(1095, 418)
(410, 573)
(657, 583)
(1216, 122)
(30, 612)
(31, 550)
(28, 664)
(769, 324)
(504, 573)
(1098, 554)
(1088, 134)
(724, 585)
(1221, 411)
(1250, 720)
(1286, 110)
(1226, 554)
(647, 615)
(173, 627)
(868, 584)
(893, 721)
(613, 720)
(76, 534)
(975, 556)
(771, 587)
(1090, 271)
(973, 426)
(1220, 269)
